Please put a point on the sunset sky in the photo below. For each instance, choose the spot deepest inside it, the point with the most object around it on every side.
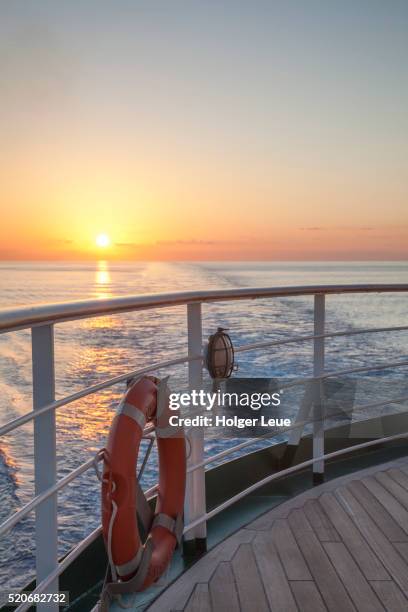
(204, 129)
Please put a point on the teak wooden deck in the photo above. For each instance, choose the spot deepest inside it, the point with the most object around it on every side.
(341, 546)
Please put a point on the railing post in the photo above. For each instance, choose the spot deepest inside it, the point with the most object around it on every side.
(45, 457)
(195, 505)
(318, 370)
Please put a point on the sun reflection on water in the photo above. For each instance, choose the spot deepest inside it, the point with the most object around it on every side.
(7, 458)
(102, 290)
(89, 419)
(103, 279)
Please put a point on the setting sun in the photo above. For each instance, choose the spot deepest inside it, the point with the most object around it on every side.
(102, 240)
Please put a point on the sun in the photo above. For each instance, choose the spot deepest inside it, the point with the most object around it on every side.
(102, 241)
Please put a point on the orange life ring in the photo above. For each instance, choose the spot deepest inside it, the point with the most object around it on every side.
(136, 563)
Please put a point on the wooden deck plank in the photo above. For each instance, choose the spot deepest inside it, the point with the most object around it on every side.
(390, 595)
(277, 589)
(289, 552)
(308, 597)
(378, 513)
(402, 548)
(384, 550)
(393, 487)
(399, 476)
(249, 584)
(289, 564)
(298, 522)
(320, 522)
(226, 549)
(265, 521)
(393, 506)
(223, 590)
(200, 599)
(353, 579)
(352, 538)
(180, 590)
(333, 592)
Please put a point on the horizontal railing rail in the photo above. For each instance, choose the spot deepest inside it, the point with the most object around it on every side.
(360, 370)
(61, 567)
(23, 318)
(74, 554)
(68, 399)
(39, 499)
(294, 339)
(285, 430)
(290, 470)
(41, 320)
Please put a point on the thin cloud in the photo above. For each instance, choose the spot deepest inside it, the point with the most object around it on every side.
(313, 229)
(190, 242)
(196, 242)
(130, 245)
(342, 228)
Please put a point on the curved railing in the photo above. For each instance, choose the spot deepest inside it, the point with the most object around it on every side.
(21, 318)
(41, 320)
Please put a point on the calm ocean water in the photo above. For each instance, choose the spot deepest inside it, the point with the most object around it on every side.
(89, 351)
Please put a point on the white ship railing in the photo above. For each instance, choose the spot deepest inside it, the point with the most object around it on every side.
(41, 320)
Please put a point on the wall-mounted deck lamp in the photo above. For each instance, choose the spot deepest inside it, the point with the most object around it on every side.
(220, 355)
